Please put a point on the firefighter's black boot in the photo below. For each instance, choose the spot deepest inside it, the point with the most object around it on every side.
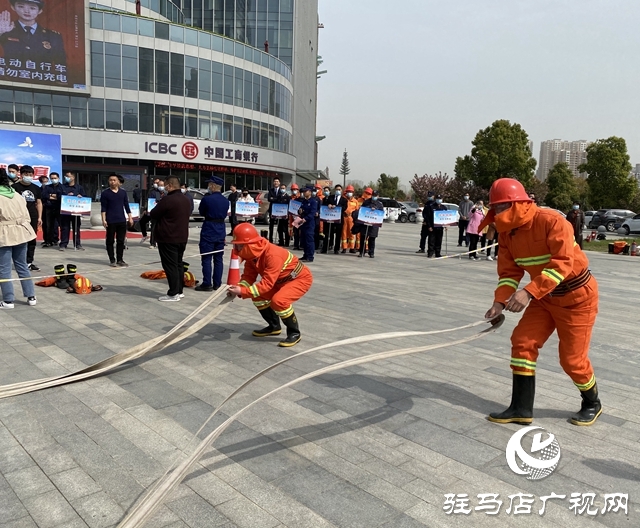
(272, 320)
(521, 409)
(293, 331)
(71, 274)
(61, 277)
(590, 409)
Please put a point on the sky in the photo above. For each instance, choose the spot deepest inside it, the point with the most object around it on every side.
(411, 82)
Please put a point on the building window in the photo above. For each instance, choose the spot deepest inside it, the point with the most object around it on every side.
(177, 74)
(130, 116)
(112, 65)
(204, 123)
(191, 123)
(146, 70)
(24, 107)
(112, 22)
(162, 119)
(113, 114)
(176, 122)
(96, 113)
(97, 63)
(191, 77)
(228, 85)
(79, 112)
(129, 67)
(216, 91)
(146, 117)
(238, 86)
(227, 128)
(162, 71)
(216, 126)
(162, 31)
(61, 110)
(42, 107)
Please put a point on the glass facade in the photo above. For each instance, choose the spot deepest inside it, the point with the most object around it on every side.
(148, 70)
(17, 106)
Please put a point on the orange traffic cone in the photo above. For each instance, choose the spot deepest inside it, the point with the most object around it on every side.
(234, 269)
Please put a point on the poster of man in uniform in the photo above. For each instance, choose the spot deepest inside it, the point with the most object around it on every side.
(43, 42)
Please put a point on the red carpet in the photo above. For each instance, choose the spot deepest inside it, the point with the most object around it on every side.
(94, 234)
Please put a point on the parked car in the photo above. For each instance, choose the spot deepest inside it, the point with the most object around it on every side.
(197, 195)
(609, 218)
(450, 207)
(393, 210)
(588, 215)
(410, 208)
(632, 225)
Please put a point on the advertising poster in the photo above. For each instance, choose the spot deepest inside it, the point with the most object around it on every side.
(294, 206)
(445, 218)
(279, 210)
(42, 151)
(247, 209)
(43, 42)
(330, 215)
(72, 205)
(370, 216)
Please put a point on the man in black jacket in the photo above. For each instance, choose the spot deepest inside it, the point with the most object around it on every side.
(171, 218)
(274, 192)
(370, 233)
(233, 198)
(435, 232)
(333, 231)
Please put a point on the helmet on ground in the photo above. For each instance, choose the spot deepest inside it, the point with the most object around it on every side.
(349, 188)
(245, 233)
(82, 285)
(507, 190)
(189, 279)
(294, 187)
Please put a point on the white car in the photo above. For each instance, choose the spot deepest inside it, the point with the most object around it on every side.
(632, 225)
(392, 209)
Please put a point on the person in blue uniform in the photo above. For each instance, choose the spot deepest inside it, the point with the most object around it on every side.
(308, 213)
(26, 40)
(213, 208)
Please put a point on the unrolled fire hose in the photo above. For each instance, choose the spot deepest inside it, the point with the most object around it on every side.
(145, 508)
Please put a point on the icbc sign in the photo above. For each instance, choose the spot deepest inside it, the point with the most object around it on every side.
(160, 148)
(190, 150)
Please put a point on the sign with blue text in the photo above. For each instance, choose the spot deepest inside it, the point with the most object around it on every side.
(370, 216)
(445, 218)
(247, 209)
(294, 206)
(72, 205)
(330, 215)
(279, 210)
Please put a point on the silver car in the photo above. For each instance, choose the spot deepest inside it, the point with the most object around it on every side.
(410, 208)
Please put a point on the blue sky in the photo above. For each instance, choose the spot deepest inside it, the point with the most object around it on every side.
(410, 83)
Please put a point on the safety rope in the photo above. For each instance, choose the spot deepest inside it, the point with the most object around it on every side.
(145, 508)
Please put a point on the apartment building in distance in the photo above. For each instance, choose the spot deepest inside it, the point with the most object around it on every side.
(553, 151)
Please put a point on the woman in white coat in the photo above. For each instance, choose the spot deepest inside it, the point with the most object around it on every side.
(15, 233)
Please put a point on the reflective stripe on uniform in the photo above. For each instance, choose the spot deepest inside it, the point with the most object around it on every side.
(588, 385)
(261, 304)
(254, 290)
(523, 363)
(285, 313)
(553, 275)
(533, 261)
(508, 282)
(288, 261)
(245, 284)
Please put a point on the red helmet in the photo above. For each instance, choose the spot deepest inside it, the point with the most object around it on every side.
(368, 190)
(294, 187)
(507, 190)
(245, 233)
(349, 188)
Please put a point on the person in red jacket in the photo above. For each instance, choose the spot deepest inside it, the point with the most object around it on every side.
(283, 280)
(562, 296)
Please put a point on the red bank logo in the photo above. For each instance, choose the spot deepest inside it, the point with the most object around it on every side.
(190, 150)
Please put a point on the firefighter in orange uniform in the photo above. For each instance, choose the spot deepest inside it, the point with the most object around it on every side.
(562, 296)
(366, 194)
(348, 239)
(283, 280)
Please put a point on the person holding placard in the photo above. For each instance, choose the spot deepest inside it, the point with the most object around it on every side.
(114, 203)
(294, 231)
(370, 233)
(334, 230)
(273, 194)
(283, 199)
(424, 231)
(213, 208)
(348, 238)
(436, 232)
(307, 214)
(70, 222)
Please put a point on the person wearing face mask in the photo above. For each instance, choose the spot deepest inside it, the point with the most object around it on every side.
(186, 194)
(283, 280)
(319, 198)
(370, 233)
(233, 198)
(562, 295)
(213, 208)
(424, 231)
(308, 212)
(51, 196)
(246, 197)
(272, 196)
(69, 223)
(294, 232)
(156, 193)
(348, 238)
(334, 230)
(576, 218)
(465, 209)
(320, 224)
(283, 223)
(13, 172)
(436, 233)
(33, 196)
(476, 216)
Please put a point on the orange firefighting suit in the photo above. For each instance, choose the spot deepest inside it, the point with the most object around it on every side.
(565, 295)
(283, 278)
(349, 240)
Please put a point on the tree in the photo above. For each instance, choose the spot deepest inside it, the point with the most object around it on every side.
(540, 189)
(388, 185)
(609, 173)
(562, 187)
(344, 167)
(421, 185)
(401, 196)
(499, 151)
(452, 189)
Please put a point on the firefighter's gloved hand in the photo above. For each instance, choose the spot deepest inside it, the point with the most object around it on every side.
(494, 311)
(518, 301)
(234, 291)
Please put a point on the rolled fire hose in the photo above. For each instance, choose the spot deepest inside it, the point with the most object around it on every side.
(145, 508)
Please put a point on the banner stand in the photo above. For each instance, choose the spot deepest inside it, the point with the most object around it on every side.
(75, 229)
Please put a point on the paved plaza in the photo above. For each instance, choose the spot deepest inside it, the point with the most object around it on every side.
(378, 445)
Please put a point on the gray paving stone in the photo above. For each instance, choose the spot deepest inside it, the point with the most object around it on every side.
(24, 522)
(98, 510)
(75, 483)
(50, 509)
(29, 482)
(195, 512)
